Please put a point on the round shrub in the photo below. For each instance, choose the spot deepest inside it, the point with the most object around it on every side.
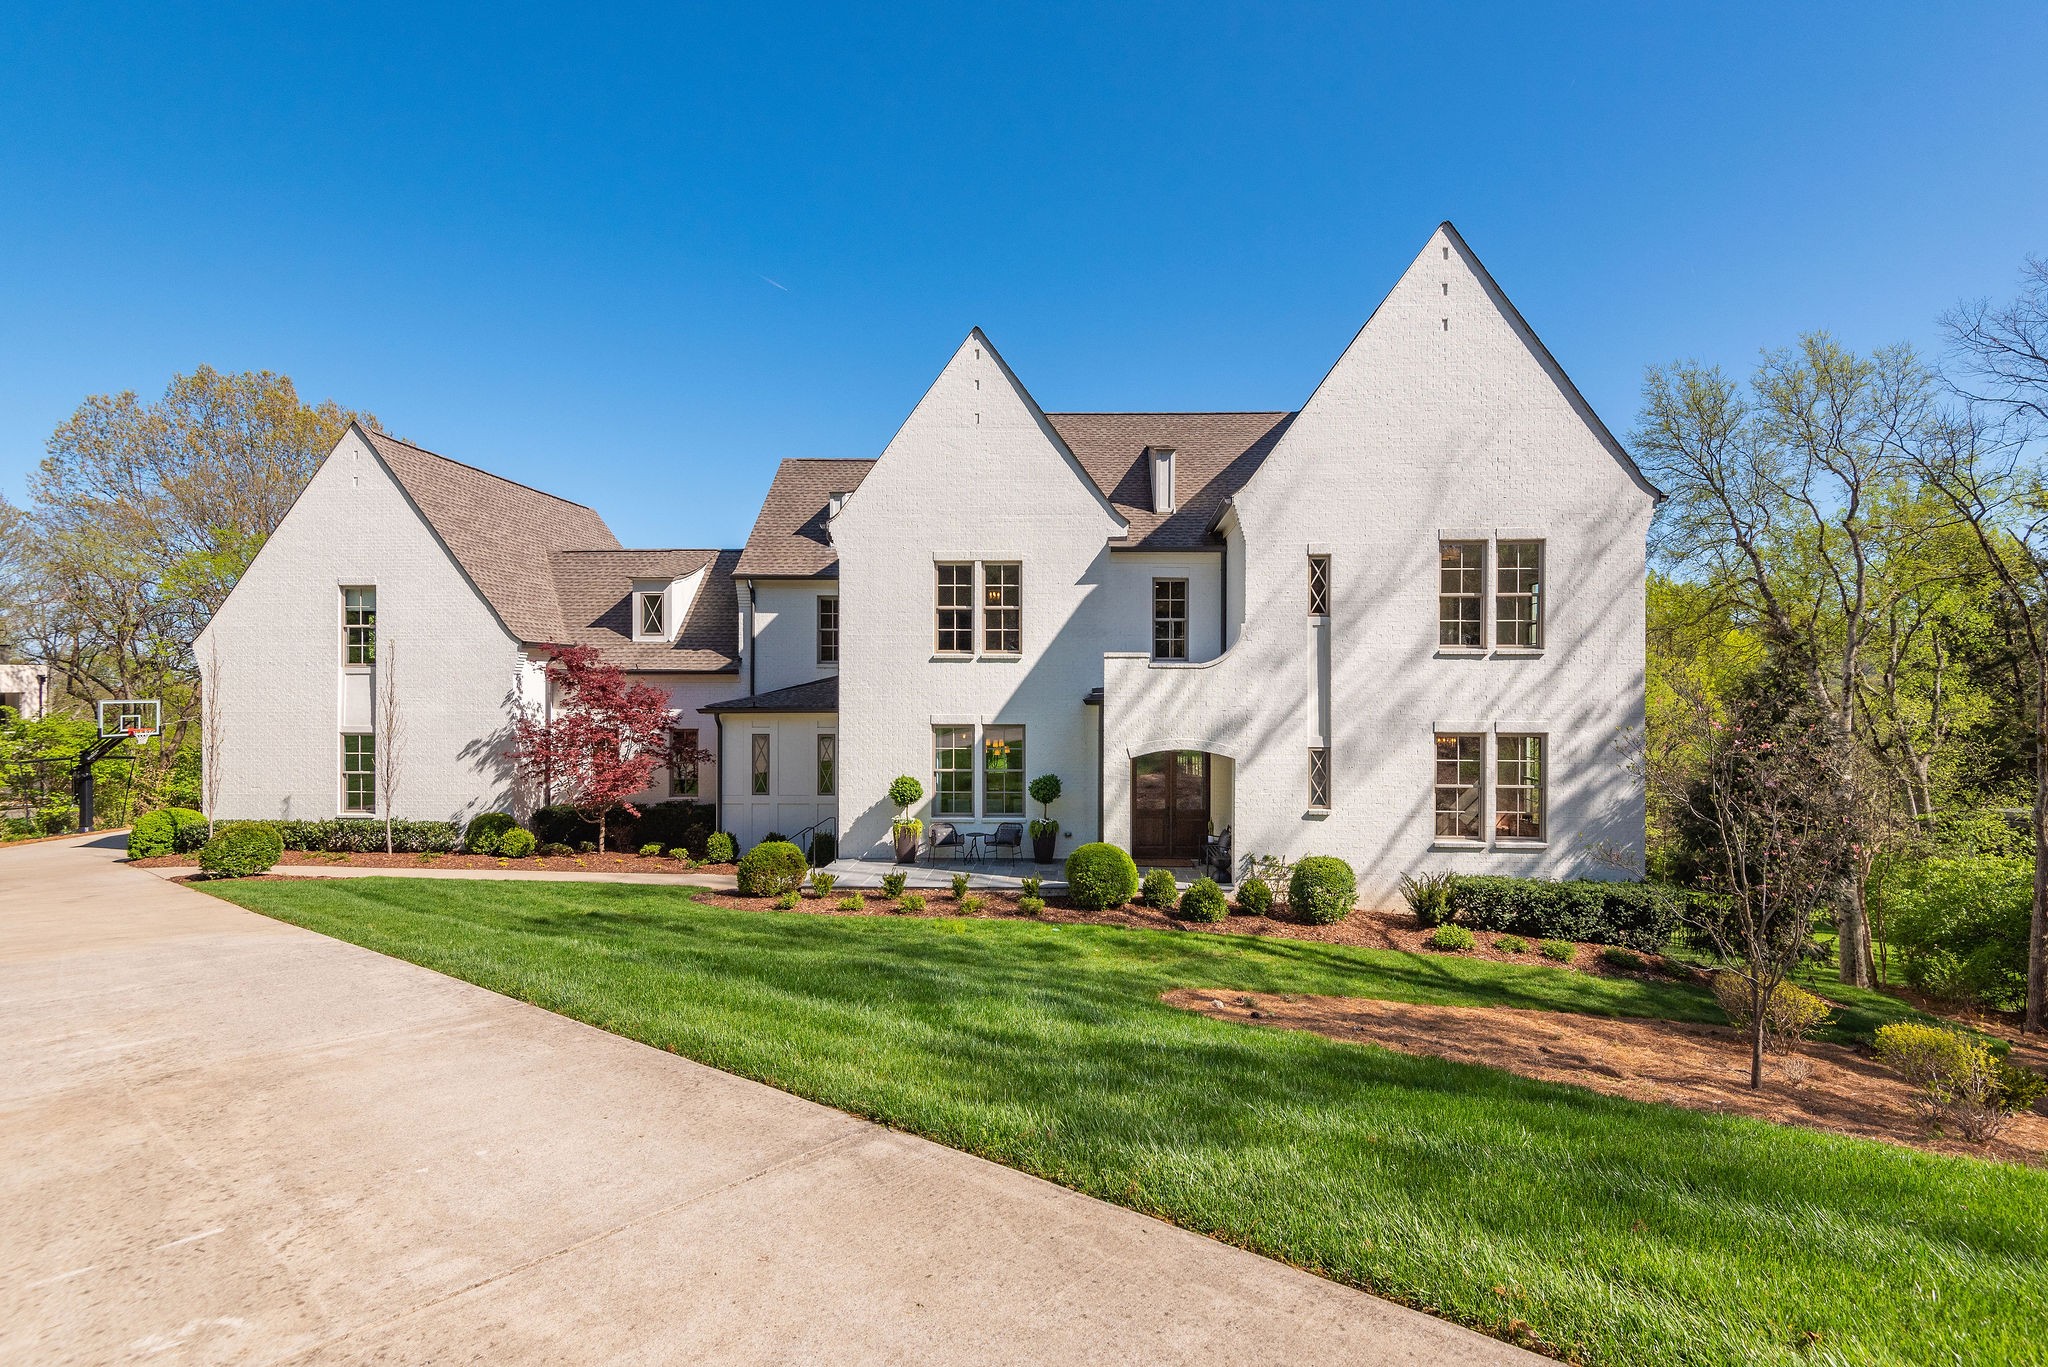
(486, 832)
(1255, 897)
(1161, 892)
(651, 850)
(718, 848)
(771, 868)
(553, 849)
(1450, 937)
(153, 833)
(188, 829)
(516, 843)
(1100, 876)
(1323, 889)
(1204, 901)
(1031, 906)
(242, 851)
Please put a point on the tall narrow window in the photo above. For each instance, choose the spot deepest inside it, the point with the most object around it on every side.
(652, 616)
(682, 764)
(1002, 770)
(359, 625)
(359, 773)
(955, 609)
(828, 764)
(1518, 604)
(1460, 586)
(953, 770)
(1319, 779)
(1002, 609)
(1457, 787)
(828, 630)
(1518, 788)
(761, 763)
(1169, 619)
(1319, 586)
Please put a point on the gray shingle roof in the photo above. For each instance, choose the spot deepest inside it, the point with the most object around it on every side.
(596, 592)
(789, 535)
(819, 695)
(1214, 454)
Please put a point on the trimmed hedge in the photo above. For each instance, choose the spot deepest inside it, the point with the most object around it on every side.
(486, 831)
(770, 869)
(1323, 889)
(1639, 916)
(191, 830)
(358, 835)
(243, 851)
(1100, 876)
(157, 832)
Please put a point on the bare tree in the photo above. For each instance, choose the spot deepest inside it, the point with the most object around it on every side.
(211, 734)
(390, 737)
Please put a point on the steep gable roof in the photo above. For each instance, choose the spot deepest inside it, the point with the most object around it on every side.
(595, 589)
(499, 532)
(789, 534)
(1213, 455)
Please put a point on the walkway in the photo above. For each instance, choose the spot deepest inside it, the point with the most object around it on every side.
(225, 1139)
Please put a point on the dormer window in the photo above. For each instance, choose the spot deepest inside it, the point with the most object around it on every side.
(1161, 461)
(652, 615)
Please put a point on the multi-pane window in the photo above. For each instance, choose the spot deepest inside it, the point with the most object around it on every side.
(1518, 787)
(1319, 778)
(1518, 594)
(761, 783)
(828, 764)
(359, 772)
(953, 770)
(1319, 586)
(1002, 770)
(1169, 619)
(828, 630)
(682, 767)
(1457, 787)
(651, 615)
(955, 609)
(359, 625)
(1002, 609)
(1461, 573)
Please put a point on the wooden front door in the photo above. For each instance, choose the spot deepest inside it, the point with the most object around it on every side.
(1169, 806)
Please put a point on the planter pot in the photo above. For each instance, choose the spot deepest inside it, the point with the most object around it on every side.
(906, 845)
(1041, 848)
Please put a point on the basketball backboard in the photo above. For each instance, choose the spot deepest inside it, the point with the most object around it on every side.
(138, 719)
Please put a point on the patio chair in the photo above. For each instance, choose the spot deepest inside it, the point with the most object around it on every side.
(1009, 836)
(941, 835)
(1216, 857)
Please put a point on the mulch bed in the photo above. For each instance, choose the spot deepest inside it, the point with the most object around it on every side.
(580, 863)
(1699, 1067)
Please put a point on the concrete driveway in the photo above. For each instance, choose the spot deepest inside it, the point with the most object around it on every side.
(223, 1139)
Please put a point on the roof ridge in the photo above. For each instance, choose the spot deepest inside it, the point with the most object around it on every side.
(1172, 412)
(488, 474)
(641, 550)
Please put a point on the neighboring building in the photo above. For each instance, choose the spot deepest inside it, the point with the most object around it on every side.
(23, 686)
(1403, 625)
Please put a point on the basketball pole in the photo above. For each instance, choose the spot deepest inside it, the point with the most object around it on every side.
(81, 776)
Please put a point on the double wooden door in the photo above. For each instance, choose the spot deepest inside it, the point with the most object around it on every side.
(1169, 806)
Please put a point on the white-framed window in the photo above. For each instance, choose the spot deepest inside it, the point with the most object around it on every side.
(358, 771)
(828, 764)
(1002, 608)
(650, 614)
(953, 609)
(1518, 594)
(1459, 765)
(760, 759)
(1002, 771)
(682, 770)
(1319, 778)
(359, 626)
(953, 770)
(1518, 787)
(1319, 586)
(1461, 583)
(1169, 619)
(828, 629)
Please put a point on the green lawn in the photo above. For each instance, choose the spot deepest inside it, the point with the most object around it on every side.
(1618, 1231)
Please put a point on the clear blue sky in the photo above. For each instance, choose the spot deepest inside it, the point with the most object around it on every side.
(545, 244)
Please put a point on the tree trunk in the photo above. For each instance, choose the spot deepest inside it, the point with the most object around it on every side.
(2036, 1018)
(600, 832)
(1759, 1003)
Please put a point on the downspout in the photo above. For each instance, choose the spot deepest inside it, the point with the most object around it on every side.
(717, 771)
(1223, 599)
(1101, 759)
(753, 639)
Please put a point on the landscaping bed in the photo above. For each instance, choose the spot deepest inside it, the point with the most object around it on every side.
(1700, 1067)
(578, 863)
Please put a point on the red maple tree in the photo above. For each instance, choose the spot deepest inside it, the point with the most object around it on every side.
(601, 742)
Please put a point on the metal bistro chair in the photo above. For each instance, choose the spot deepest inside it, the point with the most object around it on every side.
(941, 835)
(1216, 856)
(1009, 836)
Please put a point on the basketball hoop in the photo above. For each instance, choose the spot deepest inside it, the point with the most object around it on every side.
(136, 719)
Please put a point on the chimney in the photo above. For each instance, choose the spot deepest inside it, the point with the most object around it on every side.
(833, 504)
(1161, 460)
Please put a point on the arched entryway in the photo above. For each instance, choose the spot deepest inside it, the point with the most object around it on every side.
(1172, 806)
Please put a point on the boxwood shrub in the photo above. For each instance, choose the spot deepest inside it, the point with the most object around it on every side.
(770, 869)
(242, 851)
(1161, 890)
(718, 848)
(156, 833)
(360, 835)
(1203, 901)
(516, 844)
(1637, 915)
(1255, 897)
(1323, 889)
(486, 830)
(189, 829)
(1100, 876)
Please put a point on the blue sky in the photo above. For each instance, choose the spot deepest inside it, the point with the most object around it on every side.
(635, 259)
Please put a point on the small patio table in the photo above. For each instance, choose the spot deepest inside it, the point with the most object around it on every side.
(974, 846)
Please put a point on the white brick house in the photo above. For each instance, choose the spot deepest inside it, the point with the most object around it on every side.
(1403, 625)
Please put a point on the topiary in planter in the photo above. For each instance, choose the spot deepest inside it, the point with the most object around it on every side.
(242, 851)
(1255, 897)
(516, 844)
(1203, 901)
(1100, 876)
(1323, 889)
(770, 869)
(486, 832)
(1161, 893)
